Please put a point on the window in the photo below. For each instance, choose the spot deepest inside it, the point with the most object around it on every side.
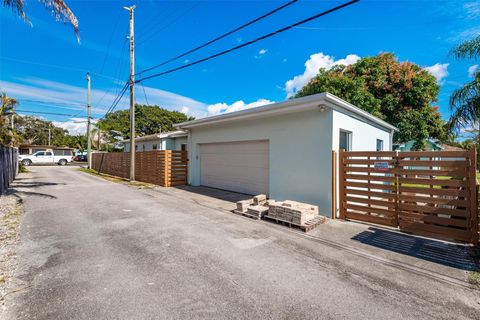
(154, 146)
(379, 145)
(40, 153)
(48, 154)
(345, 140)
(183, 147)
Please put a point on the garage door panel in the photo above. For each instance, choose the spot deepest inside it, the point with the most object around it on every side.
(227, 161)
(235, 166)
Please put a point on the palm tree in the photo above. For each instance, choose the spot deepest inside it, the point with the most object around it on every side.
(59, 9)
(465, 101)
(7, 108)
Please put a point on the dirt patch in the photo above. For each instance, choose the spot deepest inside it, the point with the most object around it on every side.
(10, 213)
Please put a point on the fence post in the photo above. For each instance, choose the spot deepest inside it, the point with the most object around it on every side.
(341, 183)
(334, 184)
(472, 179)
(397, 187)
(166, 167)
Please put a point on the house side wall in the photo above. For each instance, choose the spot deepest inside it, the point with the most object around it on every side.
(299, 153)
(364, 137)
(179, 141)
(148, 145)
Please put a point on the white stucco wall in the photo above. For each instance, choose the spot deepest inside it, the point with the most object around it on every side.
(364, 137)
(162, 144)
(179, 141)
(300, 147)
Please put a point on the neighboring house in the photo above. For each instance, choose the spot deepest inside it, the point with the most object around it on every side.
(24, 149)
(408, 146)
(284, 149)
(429, 146)
(174, 140)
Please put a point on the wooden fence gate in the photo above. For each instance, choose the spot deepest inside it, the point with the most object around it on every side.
(426, 193)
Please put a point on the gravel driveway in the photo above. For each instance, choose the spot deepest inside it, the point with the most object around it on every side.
(96, 249)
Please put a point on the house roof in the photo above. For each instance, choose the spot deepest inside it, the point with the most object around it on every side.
(157, 136)
(293, 105)
(44, 146)
(446, 147)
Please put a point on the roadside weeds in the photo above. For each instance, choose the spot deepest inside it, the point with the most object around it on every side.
(10, 215)
(137, 184)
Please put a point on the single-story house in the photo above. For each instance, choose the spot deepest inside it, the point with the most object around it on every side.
(430, 145)
(32, 148)
(174, 140)
(283, 149)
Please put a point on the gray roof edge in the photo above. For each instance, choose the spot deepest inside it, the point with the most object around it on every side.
(287, 106)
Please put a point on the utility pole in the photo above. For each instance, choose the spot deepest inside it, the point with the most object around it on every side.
(49, 134)
(89, 143)
(132, 96)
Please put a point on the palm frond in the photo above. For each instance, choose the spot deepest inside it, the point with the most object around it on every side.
(465, 106)
(62, 13)
(467, 49)
(17, 7)
(59, 9)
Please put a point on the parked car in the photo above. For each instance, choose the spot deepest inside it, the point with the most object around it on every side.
(43, 157)
(80, 158)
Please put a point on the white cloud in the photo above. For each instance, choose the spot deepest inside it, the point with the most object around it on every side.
(472, 70)
(219, 108)
(75, 126)
(75, 97)
(312, 66)
(262, 51)
(439, 71)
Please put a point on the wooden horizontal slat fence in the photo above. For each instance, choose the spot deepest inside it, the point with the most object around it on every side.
(165, 168)
(8, 167)
(426, 193)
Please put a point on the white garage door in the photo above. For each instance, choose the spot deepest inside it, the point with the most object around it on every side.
(235, 166)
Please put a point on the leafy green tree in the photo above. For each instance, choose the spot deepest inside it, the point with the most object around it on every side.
(148, 120)
(400, 93)
(35, 131)
(465, 101)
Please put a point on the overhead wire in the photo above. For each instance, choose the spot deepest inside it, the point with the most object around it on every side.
(323, 13)
(220, 37)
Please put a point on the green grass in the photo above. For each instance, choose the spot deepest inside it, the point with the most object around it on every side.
(22, 168)
(90, 171)
(104, 176)
(474, 277)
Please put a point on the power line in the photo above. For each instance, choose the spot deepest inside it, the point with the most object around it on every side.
(49, 113)
(250, 42)
(110, 41)
(56, 66)
(220, 37)
(60, 105)
(146, 99)
(174, 20)
(117, 99)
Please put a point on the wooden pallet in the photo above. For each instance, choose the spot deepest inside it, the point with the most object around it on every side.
(246, 214)
(307, 227)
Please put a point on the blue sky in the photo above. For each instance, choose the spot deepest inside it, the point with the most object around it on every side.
(46, 63)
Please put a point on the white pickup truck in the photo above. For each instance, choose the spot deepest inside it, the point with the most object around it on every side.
(44, 157)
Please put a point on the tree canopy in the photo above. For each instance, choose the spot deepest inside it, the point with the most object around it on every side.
(148, 120)
(401, 93)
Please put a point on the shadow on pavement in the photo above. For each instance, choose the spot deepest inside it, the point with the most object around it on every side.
(216, 193)
(20, 184)
(458, 256)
